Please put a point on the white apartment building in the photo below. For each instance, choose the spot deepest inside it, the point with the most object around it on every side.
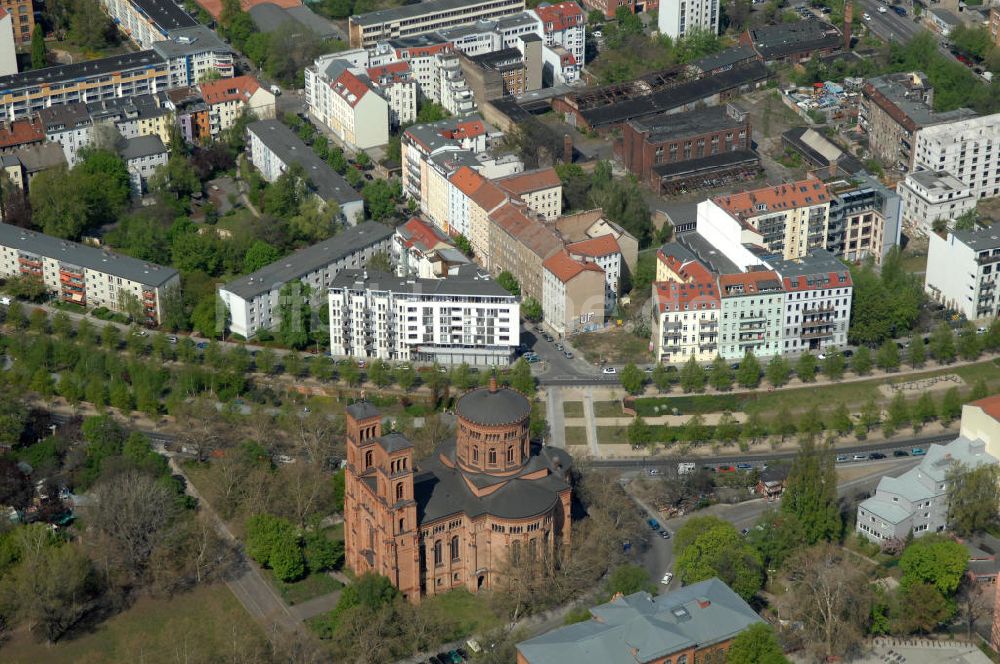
(917, 500)
(449, 87)
(86, 276)
(463, 318)
(229, 98)
(421, 142)
(563, 30)
(931, 195)
(8, 52)
(147, 21)
(540, 190)
(142, 156)
(252, 300)
(483, 37)
(818, 291)
(273, 148)
(962, 271)
(678, 18)
(342, 98)
(753, 306)
(606, 254)
(573, 294)
(194, 52)
(686, 320)
(968, 149)
(395, 83)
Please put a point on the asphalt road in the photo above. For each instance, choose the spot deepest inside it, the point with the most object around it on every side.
(890, 26)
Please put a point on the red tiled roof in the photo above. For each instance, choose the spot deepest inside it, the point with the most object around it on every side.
(562, 15)
(392, 72)
(424, 51)
(488, 196)
(533, 234)
(751, 282)
(214, 7)
(422, 234)
(672, 296)
(467, 180)
(990, 406)
(689, 270)
(228, 89)
(21, 132)
(605, 245)
(465, 130)
(566, 268)
(529, 181)
(747, 204)
(348, 85)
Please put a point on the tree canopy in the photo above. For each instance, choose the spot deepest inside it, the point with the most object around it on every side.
(811, 494)
(709, 547)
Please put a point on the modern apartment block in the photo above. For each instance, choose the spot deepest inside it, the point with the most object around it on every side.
(418, 19)
(564, 33)
(865, 219)
(686, 316)
(894, 108)
(397, 86)
(818, 291)
(118, 76)
(147, 21)
(342, 98)
(962, 271)
(273, 149)
(252, 300)
(464, 318)
(194, 53)
(917, 501)
(679, 18)
(968, 148)
(86, 276)
(928, 196)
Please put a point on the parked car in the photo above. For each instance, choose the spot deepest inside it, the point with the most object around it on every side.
(654, 471)
(882, 9)
(667, 578)
(609, 370)
(866, 16)
(172, 340)
(900, 453)
(861, 457)
(568, 355)
(848, 353)
(899, 10)
(841, 458)
(559, 346)
(653, 524)
(665, 534)
(918, 451)
(744, 466)
(875, 456)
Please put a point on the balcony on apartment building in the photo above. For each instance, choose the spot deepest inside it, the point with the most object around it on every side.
(985, 258)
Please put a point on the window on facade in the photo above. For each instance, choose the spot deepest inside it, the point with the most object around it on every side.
(454, 548)
(492, 455)
(475, 453)
(437, 553)
(402, 525)
(399, 491)
(515, 552)
(510, 454)
(368, 459)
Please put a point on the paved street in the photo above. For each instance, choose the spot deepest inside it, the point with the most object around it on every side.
(890, 26)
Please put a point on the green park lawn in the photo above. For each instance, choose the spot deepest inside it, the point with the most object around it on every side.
(573, 409)
(608, 409)
(206, 624)
(576, 435)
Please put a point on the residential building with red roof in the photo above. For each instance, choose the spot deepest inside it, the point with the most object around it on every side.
(573, 294)
(420, 250)
(395, 82)
(20, 134)
(981, 421)
(562, 27)
(686, 320)
(229, 98)
(605, 253)
(540, 190)
(753, 306)
(343, 97)
(519, 243)
(787, 219)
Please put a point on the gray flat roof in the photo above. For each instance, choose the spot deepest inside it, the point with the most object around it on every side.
(83, 70)
(729, 56)
(893, 88)
(477, 283)
(290, 149)
(190, 40)
(166, 14)
(980, 239)
(80, 255)
(310, 259)
(817, 261)
(415, 11)
(644, 628)
(142, 146)
(708, 254)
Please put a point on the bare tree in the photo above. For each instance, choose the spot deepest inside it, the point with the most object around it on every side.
(318, 435)
(830, 595)
(435, 430)
(204, 428)
(975, 601)
(130, 513)
(303, 490)
(190, 553)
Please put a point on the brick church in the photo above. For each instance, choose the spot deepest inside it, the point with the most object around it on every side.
(453, 521)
